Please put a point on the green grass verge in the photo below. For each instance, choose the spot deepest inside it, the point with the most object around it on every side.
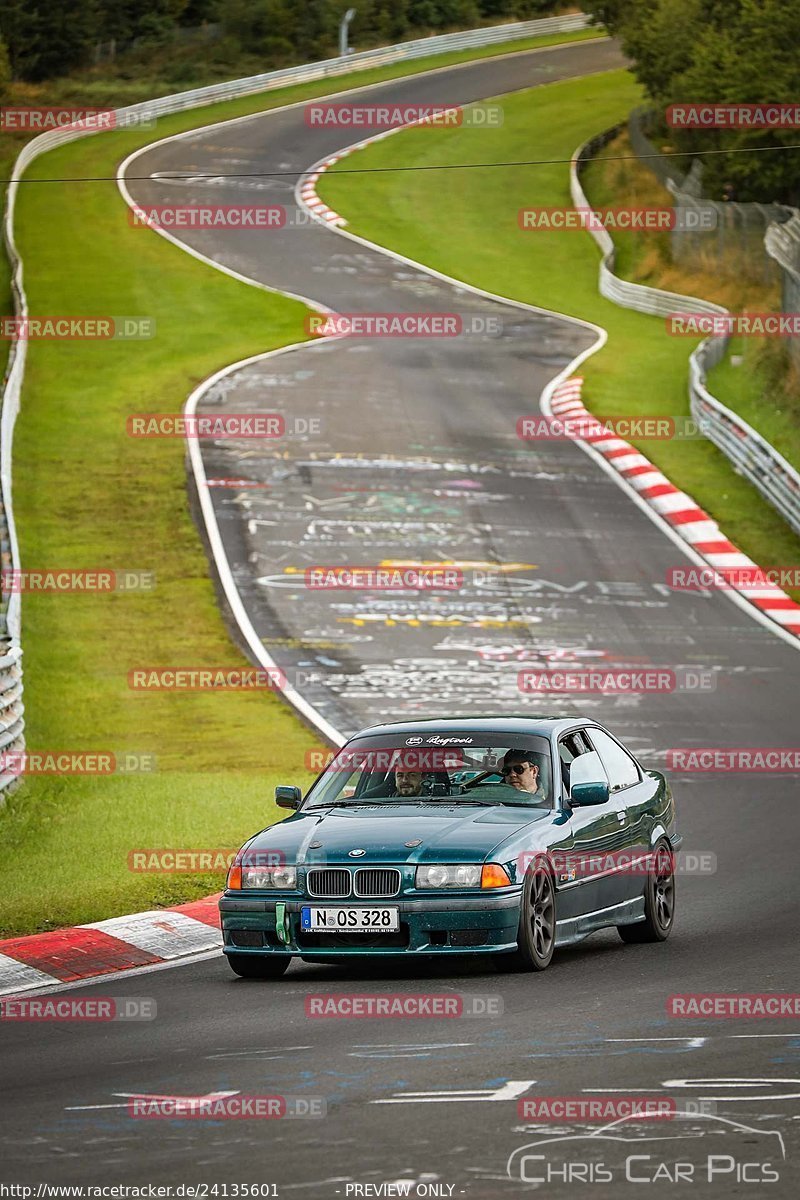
(464, 223)
(93, 90)
(762, 386)
(87, 496)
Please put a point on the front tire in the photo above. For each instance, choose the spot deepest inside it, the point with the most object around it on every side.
(258, 966)
(659, 901)
(536, 938)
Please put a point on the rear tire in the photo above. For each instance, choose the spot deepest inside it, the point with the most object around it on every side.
(258, 966)
(659, 901)
(536, 938)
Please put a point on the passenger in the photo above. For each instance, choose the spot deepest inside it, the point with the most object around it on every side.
(407, 783)
(520, 772)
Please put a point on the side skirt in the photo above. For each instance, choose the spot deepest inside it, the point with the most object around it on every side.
(574, 929)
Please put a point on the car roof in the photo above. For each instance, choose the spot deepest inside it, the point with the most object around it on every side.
(545, 726)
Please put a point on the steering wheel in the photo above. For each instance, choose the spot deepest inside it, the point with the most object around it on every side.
(479, 779)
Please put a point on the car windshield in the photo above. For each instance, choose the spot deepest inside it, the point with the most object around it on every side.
(473, 769)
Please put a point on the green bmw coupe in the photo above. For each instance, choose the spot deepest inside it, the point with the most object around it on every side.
(504, 836)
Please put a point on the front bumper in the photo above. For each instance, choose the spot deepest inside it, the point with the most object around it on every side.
(435, 925)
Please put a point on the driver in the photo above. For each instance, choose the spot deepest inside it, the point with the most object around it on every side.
(521, 773)
(407, 783)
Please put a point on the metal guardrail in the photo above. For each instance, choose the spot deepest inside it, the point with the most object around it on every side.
(638, 296)
(11, 706)
(12, 722)
(362, 61)
(782, 243)
(751, 454)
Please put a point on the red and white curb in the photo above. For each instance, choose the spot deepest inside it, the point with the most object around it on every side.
(306, 191)
(106, 947)
(681, 512)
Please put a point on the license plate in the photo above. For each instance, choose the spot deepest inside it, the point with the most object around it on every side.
(350, 920)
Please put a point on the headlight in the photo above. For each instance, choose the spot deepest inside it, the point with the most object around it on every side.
(269, 877)
(446, 875)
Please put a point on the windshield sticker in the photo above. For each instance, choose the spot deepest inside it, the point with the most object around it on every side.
(436, 740)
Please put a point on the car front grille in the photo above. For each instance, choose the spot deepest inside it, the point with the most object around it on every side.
(377, 881)
(332, 883)
(337, 883)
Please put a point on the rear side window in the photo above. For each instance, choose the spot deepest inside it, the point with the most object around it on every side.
(573, 745)
(579, 762)
(622, 770)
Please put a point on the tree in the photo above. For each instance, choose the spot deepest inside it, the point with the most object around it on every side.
(126, 20)
(769, 70)
(197, 12)
(718, 51)
(5, 71)
(47, 38)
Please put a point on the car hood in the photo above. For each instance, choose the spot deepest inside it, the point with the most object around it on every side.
(450, 832)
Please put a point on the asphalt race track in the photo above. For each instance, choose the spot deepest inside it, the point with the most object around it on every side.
(418, 459)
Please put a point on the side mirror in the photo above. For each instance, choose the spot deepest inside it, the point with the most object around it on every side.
(288, 797)
(583, 795)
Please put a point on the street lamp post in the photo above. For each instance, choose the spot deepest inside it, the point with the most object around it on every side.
(344, 26)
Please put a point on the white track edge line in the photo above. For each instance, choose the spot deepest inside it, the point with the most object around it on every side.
(733, 594)
(220, 557)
